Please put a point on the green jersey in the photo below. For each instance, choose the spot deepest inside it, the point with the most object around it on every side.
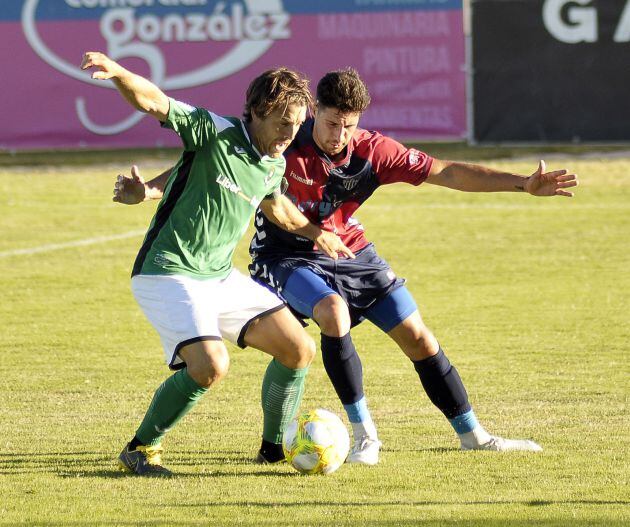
(209, 198)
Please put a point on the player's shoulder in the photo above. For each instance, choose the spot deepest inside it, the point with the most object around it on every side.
(371, 141)
(366, 137)
(224, 122)
(220, 121)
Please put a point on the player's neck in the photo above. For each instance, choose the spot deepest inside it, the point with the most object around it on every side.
(253, 137)
(333, 158)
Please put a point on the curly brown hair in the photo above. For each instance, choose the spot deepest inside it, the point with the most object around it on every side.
(276, 88)
(343, 90)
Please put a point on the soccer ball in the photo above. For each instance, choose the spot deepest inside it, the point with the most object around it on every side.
(316, 442)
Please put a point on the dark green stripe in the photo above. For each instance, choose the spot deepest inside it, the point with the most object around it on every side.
(163, 213)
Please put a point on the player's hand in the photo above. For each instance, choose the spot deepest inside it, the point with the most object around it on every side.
(332, 245)
(105, 67)
(130, 190)
(542, 183)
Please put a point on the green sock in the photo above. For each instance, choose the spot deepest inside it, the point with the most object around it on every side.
(172, 401)
(282, 391)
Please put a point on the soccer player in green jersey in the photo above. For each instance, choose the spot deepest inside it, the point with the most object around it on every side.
(183, 277)
(333, 167)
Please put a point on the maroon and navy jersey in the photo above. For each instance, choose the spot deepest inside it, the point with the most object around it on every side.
(329, 193)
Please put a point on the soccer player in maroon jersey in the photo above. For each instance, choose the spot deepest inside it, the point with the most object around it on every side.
(332, 168)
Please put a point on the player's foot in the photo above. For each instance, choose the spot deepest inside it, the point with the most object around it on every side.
(364, 451)
(262, 460)
(269, 453)
(499, 444)
(143, 461)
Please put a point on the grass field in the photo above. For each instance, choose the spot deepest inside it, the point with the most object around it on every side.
(530, 298)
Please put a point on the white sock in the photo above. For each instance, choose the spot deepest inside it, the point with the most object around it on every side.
(477, 437)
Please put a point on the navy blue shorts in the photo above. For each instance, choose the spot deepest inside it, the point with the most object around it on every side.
(367, 284)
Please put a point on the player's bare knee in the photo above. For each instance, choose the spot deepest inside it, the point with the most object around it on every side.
(207, 365)
(427, 344)
(219, 367)
(332, 315)
(308, 351)
(415, 339)
(205, 374)
(305, 352)
(299, 354)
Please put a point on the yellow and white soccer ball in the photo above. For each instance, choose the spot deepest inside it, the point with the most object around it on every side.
(316, 442)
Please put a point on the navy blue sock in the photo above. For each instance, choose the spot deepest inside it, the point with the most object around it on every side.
(135, 443)
(344, 368)
(271, 452)
(443, 384)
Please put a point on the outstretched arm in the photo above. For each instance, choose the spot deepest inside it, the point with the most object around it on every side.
(281, 211)
(133, 190)
(477, 178)
(141, 93)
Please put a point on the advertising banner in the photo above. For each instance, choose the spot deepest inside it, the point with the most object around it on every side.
(551, 70)
(205, 52)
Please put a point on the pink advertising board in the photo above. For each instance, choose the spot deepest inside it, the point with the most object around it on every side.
(205, 52)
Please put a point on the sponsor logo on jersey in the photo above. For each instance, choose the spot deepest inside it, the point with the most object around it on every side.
(235, 189)
(226, 183)
(240, 150)
(301, 179)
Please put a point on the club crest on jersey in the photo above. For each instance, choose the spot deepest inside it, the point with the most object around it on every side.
(269, 176)
(350, 183)
(414, 157)
(347, 182)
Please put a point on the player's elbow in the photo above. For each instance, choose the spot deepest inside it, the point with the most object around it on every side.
(156, 107)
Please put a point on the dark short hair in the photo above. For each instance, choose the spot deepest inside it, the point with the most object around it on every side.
(343, 90)
(276, 88)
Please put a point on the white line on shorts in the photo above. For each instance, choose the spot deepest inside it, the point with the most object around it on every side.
(66, 245)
